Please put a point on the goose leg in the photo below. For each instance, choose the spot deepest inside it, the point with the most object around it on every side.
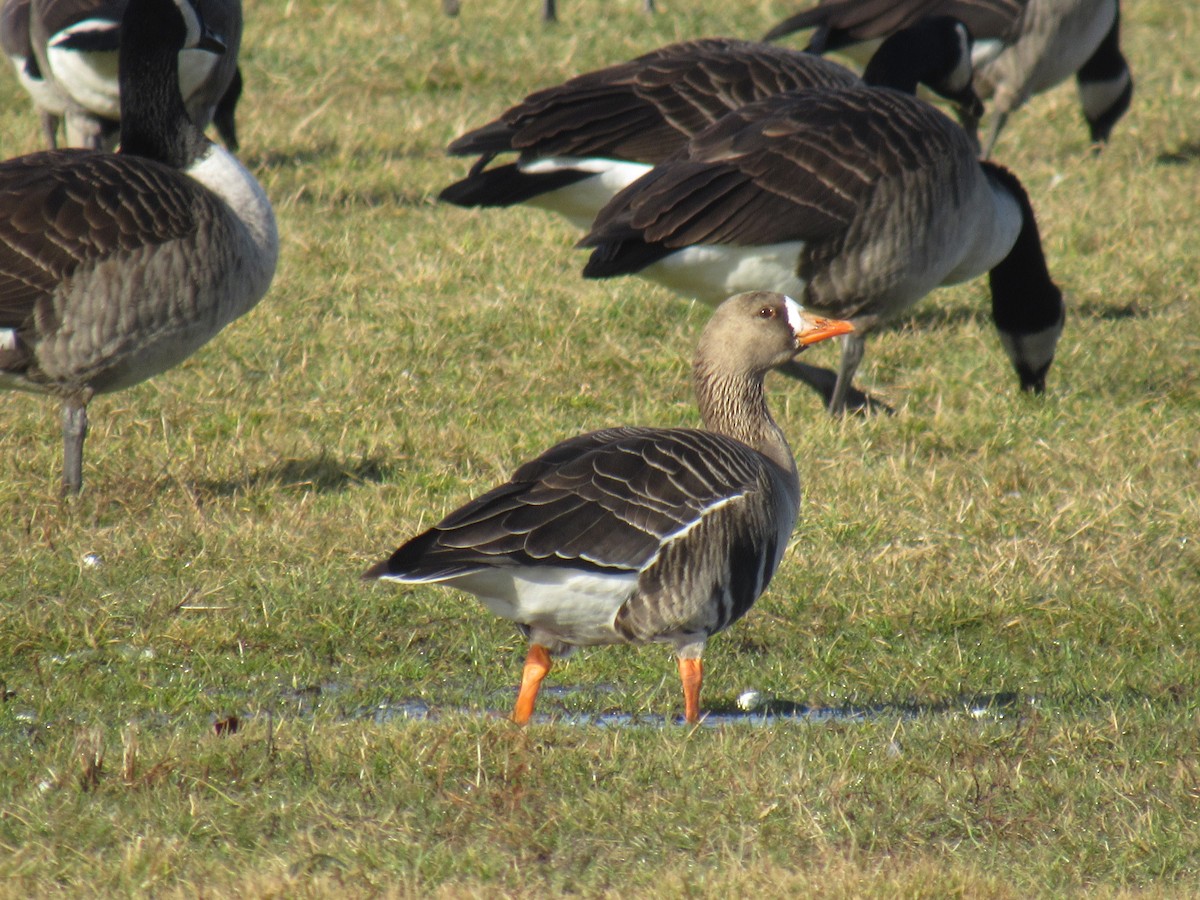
(50, 129)
(691, 673)
(997, 125)
(537, 664)
(74, 427)
(853, 346)
(549, 12)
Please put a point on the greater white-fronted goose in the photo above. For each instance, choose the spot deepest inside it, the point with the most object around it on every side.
(1022, 48)
(580, 142)
(115, 267)
(635, 535)
(75, 48)
(856, 201)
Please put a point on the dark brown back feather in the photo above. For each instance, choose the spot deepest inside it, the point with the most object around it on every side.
(69, 208)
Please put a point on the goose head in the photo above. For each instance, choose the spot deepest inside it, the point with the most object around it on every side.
(761, 330)
(154, 119)
(936, 53)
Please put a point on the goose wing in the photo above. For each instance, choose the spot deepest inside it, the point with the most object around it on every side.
(62, 210)
(797, 167)
(644, 109)
(845, 22)
(607, 502)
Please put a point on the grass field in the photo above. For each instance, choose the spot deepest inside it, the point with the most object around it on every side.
(978, 544)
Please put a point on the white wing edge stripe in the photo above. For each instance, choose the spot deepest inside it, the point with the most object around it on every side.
(683, 532)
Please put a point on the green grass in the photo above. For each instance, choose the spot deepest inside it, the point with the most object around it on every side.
(409, 355)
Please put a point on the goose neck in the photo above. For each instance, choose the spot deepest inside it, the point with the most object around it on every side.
(735, 405)
(1025, 298)
(154, 120)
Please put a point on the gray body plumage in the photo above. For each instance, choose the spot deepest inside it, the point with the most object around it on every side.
(580, 142)
(115, 268)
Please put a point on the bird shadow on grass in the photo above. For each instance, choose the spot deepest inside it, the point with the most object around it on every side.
(1186, 154)
(324, 474)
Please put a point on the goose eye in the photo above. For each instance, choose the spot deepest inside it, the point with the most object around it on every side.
(767, 312)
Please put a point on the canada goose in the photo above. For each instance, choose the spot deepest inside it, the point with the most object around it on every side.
(115, 267)
(856, 201)
(636, 535)
(1061, 38)
(582, 141)
(1022, 48)
(74, 45)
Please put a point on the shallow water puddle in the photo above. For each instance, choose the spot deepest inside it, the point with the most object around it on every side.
(762, 712)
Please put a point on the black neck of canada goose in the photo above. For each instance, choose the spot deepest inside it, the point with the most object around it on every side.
(935, 52)
(1027, 306)
(154, 120)
(1105, 84)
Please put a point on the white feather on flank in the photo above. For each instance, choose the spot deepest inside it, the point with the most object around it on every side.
(89, 78)
(713, 272)
(556, 599)
(8, 339)
(580, 202)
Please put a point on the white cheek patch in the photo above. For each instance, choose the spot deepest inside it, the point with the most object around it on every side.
(191, 22)
(795, 315)
(1097, 97)
(963, 70)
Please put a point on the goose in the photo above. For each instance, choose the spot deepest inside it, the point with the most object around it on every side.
(1022, 48)
(637, 535)
(115, 267)
(580, 142)
(72, 73)
(856, 201)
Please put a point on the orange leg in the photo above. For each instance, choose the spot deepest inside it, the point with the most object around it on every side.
(537, 664)
(691, 673)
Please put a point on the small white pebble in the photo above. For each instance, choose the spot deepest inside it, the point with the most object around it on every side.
(92, 560)
(749, 700)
